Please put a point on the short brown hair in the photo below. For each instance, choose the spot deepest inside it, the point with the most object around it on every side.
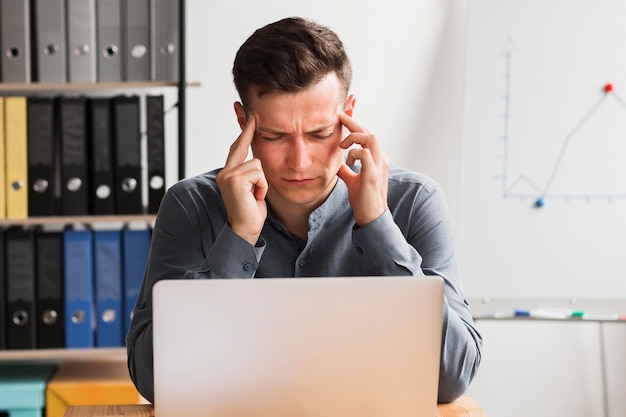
(289, 55)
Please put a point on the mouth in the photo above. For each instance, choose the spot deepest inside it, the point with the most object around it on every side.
(300, 182)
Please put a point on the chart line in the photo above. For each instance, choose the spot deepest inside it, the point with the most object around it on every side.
(542, 193)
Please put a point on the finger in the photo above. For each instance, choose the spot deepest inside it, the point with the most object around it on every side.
(240, 147)
(260, 187)
(350, 123)
(366, 141)
(346, 174)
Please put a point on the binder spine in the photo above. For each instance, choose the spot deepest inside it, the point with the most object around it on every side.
(81, 40)
(41, 156)
(108, 288)
(102, 192)
(127, 135)
(156, 151)
(166, 34)
(50, 51)
(20, 276)
(109, 39)
(16, 157)
(73, 115)
(78, 288)
(15, 41)
(137, 32)
(50, 311)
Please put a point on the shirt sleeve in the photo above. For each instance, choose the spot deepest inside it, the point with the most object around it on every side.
(187, 243)
(425, 245)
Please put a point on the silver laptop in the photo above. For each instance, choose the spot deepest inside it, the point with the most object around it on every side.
(314, 347)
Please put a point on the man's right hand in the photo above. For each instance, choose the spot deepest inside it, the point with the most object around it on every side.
(243, 186)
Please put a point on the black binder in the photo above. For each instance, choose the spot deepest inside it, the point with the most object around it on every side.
(3, 299)
(49, 285)
(74, 184)
(41, 156)
(127, 133)
(20, 276)
(156, 151)
(102, 194)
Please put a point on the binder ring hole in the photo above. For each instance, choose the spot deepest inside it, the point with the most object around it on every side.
(110, 51)
(108, 316)
(81, 50)
(74, 184)
(156, 182)
(17, 185)
(103, 191)
(78, 316)
(40, 186)
(138, 51)
(168, 49)
(51, 49)
(20, 318)
(49, 317)
(13, 52)
(129, 185)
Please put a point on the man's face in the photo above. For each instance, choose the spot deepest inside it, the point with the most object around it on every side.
(297, 141)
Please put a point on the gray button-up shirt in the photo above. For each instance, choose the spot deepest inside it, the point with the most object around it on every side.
(192, 240)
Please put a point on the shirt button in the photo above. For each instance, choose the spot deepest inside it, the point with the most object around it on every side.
(302, 263)
(247, 266)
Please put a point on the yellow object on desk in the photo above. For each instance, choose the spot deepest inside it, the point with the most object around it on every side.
(89, 384)
(463, 407)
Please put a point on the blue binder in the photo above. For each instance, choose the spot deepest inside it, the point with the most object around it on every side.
(79, 294)
(108, 288)
(136, 246)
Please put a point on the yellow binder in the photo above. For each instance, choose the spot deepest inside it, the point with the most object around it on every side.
(16, 157)
(3, 196)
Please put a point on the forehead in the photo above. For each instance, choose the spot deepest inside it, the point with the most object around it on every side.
(318, 104)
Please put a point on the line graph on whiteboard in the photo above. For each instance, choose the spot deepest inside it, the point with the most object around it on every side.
(588, 156)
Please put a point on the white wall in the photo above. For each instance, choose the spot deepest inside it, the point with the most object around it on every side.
(407, 59)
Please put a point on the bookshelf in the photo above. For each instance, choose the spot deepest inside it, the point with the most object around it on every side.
(63, 355)
(80, 87)
(94, 221)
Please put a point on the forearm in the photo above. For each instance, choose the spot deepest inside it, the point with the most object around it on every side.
(383, 249)
(460, 354)
(140, 354)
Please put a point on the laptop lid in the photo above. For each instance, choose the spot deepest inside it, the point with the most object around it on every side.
(314, 347)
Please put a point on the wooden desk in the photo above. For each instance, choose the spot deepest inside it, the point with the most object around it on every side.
(463, 407)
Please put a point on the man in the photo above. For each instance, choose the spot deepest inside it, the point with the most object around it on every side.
(301, 207)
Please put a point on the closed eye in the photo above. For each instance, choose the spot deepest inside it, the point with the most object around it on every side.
(272, 138)
(323, 135)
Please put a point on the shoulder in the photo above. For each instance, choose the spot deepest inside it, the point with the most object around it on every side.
(196, 198)
(203, 182)
(402, 178)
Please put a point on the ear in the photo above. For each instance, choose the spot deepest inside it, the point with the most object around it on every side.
(240, 111)
(349, 106)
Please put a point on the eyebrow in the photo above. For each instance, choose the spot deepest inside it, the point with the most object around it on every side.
(314, 131)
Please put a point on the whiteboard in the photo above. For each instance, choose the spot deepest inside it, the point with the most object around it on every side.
(542, 208)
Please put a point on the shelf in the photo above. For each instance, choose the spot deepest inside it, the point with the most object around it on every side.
(60, 220)
(29, 87)
(57, 355)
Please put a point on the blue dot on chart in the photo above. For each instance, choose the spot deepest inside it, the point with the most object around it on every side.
(539, 202)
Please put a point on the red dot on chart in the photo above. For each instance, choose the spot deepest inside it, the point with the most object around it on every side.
(608, 88)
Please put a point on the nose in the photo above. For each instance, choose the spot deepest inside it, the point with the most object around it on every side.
(299, 156)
